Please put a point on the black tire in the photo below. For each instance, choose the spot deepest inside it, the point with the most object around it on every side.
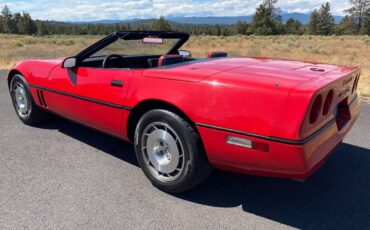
(34, 114)
(196, 167)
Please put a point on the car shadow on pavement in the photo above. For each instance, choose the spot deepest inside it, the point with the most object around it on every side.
(335, 197)
(103, 142)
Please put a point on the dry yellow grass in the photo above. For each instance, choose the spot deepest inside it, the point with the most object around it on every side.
(342, 50)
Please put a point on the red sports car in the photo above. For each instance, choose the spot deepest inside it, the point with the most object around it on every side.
(261, 116)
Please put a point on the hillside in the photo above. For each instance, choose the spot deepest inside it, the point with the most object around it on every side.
(303, 18)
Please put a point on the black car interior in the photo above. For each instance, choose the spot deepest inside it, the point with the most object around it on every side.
(133, 62)
(217, 54)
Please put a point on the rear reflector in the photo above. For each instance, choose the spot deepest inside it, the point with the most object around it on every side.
(260, 146)
(247, 143)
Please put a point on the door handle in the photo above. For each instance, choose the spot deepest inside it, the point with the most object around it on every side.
(116, 83)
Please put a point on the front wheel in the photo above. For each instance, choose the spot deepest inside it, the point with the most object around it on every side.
(170, 152)
(23, 103)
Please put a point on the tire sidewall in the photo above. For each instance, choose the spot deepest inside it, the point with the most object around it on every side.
(20, 79)
(189, 144)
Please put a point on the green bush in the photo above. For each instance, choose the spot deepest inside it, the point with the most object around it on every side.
(19, 44)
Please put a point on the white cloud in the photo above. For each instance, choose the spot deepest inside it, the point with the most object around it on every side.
(80, 10)
(304, 6)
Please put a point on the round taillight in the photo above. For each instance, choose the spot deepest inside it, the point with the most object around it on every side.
(316, 109)
(328, 102)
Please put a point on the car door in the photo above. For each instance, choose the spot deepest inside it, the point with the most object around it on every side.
(91, 96)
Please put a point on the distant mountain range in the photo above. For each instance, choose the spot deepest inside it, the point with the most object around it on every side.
(303, 18)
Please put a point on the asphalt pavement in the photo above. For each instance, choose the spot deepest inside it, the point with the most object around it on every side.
(64, 176)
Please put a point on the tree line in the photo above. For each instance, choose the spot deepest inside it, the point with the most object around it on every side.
(267, 20)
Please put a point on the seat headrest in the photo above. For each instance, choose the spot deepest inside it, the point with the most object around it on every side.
(217, 54)
(170, 59)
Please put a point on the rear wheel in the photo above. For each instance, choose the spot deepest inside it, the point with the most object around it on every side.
(23, 103)
(170, 152)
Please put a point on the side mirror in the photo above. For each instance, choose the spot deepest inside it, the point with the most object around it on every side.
(70, 62)
(185, 53)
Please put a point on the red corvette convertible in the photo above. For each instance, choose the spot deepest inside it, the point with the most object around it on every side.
(261, 116)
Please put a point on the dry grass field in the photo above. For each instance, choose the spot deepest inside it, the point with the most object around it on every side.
(342, 50)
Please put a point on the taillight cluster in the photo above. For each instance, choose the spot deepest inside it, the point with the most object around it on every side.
(355, 83)
(321, 106)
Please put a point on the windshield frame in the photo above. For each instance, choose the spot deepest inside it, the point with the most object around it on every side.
(133, 35)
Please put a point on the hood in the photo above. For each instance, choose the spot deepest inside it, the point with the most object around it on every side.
(264, 70)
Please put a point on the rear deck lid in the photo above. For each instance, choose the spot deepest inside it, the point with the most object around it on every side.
(195, 71)
(284, 73)
(254, 69)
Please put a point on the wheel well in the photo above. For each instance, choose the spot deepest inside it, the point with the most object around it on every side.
(143, 107)
(11, 75)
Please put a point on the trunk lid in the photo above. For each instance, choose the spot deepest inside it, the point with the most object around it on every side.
(286, 72)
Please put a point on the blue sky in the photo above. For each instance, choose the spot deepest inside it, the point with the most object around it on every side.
(82, 10)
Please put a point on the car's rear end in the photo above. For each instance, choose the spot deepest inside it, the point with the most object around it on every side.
(333, 110)
(313, 120)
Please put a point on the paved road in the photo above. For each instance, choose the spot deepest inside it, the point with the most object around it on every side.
(64, 176)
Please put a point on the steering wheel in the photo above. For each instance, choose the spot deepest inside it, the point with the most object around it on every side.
(109, 57)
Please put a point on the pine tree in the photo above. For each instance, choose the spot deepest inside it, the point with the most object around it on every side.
(359, 12)
(161, 24)
(266, 20)
(314, 21)
(326, 22)
(321, 21)
(25, 24)
(42, 28)
(1, 24)
(366, 27)
(270, 3)
(241, 27)
(346, 27)
(293, 26)
(8, 22)
(217, 30)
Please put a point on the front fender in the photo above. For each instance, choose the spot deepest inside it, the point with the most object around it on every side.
(34, 71)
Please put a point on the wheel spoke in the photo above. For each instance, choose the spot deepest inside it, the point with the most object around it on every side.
(168, 175)
(20, 100)
(163, 150)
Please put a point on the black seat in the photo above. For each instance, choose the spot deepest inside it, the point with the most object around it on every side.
(170, 59)
(217, 54)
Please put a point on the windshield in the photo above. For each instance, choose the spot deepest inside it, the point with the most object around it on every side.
(137, 47)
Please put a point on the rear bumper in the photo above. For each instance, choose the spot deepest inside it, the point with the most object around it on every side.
(296, 160)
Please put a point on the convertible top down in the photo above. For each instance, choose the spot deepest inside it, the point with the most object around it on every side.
(261, 116)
